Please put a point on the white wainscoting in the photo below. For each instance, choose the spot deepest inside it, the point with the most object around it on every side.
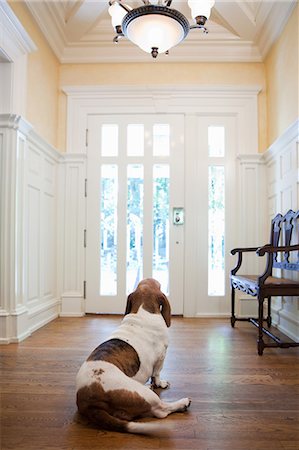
(282, 165)
(28, 212)
(42, 212)
(252, 226)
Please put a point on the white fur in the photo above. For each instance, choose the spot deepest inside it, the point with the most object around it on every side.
(147, 334)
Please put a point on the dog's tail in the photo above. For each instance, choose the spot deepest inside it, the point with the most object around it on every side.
(108, 422)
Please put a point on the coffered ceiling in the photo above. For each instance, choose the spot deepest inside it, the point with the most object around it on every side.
(80, 31)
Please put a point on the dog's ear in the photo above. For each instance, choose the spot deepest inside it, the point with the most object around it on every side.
(129, 304)
(165, 309)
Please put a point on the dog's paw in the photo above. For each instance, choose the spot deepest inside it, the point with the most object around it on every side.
(186, 402)
(163, 384)
(157, 383)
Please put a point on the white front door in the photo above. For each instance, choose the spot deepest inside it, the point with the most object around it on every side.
(135, 208)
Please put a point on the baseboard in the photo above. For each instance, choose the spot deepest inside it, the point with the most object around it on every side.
(212, 315)
(70, 314)
(72, 306)
(20, 324)
(286, 322)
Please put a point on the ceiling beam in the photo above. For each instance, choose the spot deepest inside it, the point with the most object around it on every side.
(85, 15)
(239, 17)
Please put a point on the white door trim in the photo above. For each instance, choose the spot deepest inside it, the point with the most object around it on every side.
(240, 101)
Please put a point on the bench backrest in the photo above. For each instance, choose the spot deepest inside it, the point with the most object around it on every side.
(285, 232)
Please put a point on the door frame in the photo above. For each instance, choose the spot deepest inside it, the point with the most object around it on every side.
(238, 101)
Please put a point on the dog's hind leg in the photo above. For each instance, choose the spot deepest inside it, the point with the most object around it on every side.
(162, 409)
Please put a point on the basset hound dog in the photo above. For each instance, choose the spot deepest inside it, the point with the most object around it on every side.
(111, 390)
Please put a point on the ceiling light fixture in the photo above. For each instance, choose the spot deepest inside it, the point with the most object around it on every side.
(154, 26)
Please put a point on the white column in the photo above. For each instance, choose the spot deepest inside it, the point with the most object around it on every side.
(71, 235)
(13, 134)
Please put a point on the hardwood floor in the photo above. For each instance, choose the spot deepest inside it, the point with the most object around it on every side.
(240, 400)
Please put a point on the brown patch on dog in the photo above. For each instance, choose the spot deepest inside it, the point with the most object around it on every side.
(111, 410)
(119, 353)
(152, 299)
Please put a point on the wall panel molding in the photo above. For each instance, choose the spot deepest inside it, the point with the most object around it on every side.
(282, 168)
(72, 225)
(28, 213)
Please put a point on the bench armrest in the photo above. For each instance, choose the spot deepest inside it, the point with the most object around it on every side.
(270, 249)
(244, 250)
(240, 252)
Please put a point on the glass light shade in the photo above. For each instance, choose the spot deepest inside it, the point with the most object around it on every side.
(117, 14)
(155, 31)
(201, 7)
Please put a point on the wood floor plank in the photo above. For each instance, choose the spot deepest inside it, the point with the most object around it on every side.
(240, 401)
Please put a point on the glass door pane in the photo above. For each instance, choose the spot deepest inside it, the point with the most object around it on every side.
(134, 226)
(216, 230)
(108, 253)
(161, 225)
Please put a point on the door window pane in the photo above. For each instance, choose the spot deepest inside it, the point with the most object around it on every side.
(161, 225)
(216, 231)
(108, 220)
(134, 226)
(216, 141)
(161, 139)
(135, 140)
(109, 142)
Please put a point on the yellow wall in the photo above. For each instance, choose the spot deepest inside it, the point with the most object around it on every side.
(42, 79)
(282, 80)
(46, 104)
(167, 73)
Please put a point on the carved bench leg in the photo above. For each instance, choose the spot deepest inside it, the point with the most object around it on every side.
(269, 318)
(260, 341)
(233, 318)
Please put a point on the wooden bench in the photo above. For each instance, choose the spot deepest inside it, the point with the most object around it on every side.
(282, 253)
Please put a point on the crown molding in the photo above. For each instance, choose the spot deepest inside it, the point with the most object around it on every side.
(220, 45)
(274, 25)
(49, 19)
(177, 91)
(216, 51)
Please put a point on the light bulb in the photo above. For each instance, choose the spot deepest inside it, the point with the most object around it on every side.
(117, 14)
(201, 7)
